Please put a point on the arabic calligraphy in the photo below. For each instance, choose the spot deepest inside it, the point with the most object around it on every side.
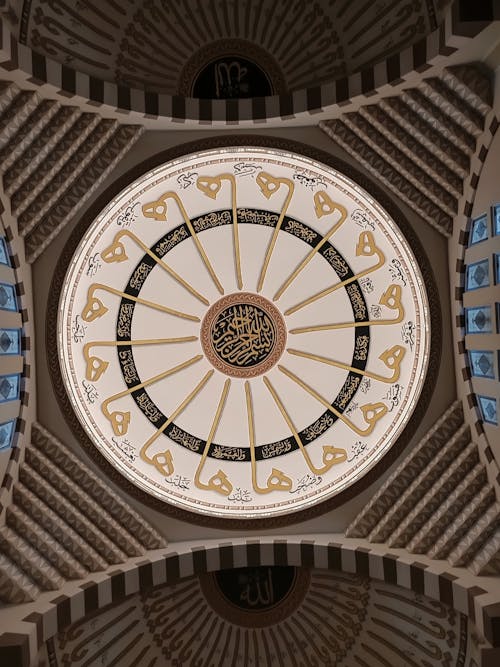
(240, 496)
(179, 482)
(129, 215)
(93, 265)
(408, 333)
(78, 330)
(306, 482)
(185, 180)
(243, 335)
(258, 591)
(91, 392)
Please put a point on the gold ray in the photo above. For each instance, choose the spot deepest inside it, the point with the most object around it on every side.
(218, 482)
(269, 185)
(94, 307)
(163, 460)
(392, 358)
(158, 211)
(120, 420)
(372, 412)
(211, 185)
(391, 298)
(116, 253)
(277, 480)
(95, 366)
(333, 206)
(365, 247)
(331, 455)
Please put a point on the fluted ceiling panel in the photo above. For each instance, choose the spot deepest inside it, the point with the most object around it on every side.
(156, 44)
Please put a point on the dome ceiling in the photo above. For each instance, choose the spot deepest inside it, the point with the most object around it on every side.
(244, 332)
(327, 618)
(163, 46)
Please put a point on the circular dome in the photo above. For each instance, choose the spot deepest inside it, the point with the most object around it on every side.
(243, 332)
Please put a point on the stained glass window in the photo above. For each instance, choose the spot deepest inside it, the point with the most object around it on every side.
(10, 341)
(477, 275)
(9, 387)
(488, 407)
(495, 217)
(479, 229)
(482, 363)
(8, 299)
(4, 255)
(7, 431)
(478, 320)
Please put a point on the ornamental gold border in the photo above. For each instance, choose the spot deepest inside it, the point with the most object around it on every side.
(87, 218)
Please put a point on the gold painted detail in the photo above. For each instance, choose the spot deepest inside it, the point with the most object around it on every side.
(243, 335)
(277, 480)
(365, 247)
(371, 412)
(157, 210)
(268, 186)
(391, 298)
(116, 253)
(210, 186)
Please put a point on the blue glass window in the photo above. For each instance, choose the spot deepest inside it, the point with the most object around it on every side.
(488, 409)
(496, 268)
(8, 299)
(495, 219)
(4, 255)
(7, 431)
(479, 229)
(482, 363)
(478, 320)
(9, 387)
(477, 275)
(10, 341)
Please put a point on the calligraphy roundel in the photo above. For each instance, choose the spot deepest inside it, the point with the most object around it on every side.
(243, 332)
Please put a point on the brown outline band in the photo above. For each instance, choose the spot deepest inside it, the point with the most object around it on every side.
(220, 142)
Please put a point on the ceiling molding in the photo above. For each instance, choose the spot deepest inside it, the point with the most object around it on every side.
(38, 70)
(457, 588)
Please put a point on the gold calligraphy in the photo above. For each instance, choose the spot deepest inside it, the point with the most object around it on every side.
(162, 461)
(95, 366)
(116, 253)
(277, 480)
(94, 308)
(323, 205)
(158, 211)
(331, 455)
(365, 247)
(391, 298)
(120, 420)
(210, 186)
(218, 482)
(371, 412)
(268, 186)
(392, 358)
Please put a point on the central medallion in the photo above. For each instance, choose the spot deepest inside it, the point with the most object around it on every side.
(243, 335)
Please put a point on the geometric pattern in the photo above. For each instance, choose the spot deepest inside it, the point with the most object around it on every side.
(438, 501)
(344, 619)
(458, 590)
(64, 523)
(419, 143)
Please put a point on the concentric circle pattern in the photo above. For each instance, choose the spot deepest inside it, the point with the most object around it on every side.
(243, 332)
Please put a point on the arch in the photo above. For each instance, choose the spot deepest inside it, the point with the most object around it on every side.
(453, 587)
